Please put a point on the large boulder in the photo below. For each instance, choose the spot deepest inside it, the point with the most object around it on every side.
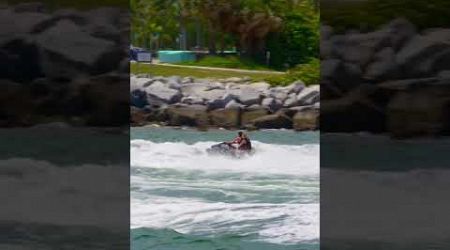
(418, 112)
(67, 51)
(193, 115)
(309, 95)
(274, 121)
(250, 114)
(362, 109)
(295, 87)
(279, 93)
(234, 104)
(306, 120)
(203, 91)
(139, 83)
(138, 117)
(260, 86)
(105, 107)
(271, 103)
(104, 23)
(383, 67)
(227, 118)
(161, 92)
(291, 101)
(138, 98)
(426, 54)
(246, 95)
(221, 102)
(192, 100)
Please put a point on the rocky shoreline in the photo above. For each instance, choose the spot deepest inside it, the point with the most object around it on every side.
(394, 80)
(226, 103)
(64, 65)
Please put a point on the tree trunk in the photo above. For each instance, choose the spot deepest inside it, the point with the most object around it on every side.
(212, 40)
(198, 33)
(222, 43)
(183, 34)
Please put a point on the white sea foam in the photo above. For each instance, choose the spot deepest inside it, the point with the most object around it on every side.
(35, 191)
(266, 200)
(398, 206)
(269, 158)
(278, 223)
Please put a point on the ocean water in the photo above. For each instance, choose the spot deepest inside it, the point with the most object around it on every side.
(64, 188)
(183, 198)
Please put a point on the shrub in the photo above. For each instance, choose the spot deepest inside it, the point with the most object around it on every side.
(233, 62)
(309, 73)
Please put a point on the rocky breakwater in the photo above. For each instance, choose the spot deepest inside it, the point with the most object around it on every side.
(228, 103)
(63, 65)
(395, 79)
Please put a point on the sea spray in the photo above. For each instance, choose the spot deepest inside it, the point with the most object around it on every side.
(269, 200)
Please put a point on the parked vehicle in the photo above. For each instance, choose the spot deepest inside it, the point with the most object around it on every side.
(140, 54)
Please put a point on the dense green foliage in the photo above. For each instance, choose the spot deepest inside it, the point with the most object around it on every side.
(78, 4)
(288, 29)
(309, 73)
(299, 39)
(233, 62)
(370, 14)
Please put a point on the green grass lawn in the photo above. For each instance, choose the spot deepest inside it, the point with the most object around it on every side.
(163, 70)
(232, 62)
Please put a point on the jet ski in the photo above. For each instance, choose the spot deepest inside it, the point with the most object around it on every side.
(228, 150)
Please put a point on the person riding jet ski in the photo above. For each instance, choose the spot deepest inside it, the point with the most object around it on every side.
(242, 142)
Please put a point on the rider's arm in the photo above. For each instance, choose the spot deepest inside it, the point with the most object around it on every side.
(236, 140)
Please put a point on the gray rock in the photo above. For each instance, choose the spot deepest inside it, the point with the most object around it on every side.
(309, 95)
(194, 115)
(212, 94)
(295, 87)
(216, 104)
(444, 75)
(326, 48)
(306, 120)
(33, 7)
(159, 92)
(279, 93)
(291, 101)
(138, 98)
(329, 68)
(187, 80)
(233, 104)
(226, 118)
(174, 79)
(174, 85)
(139, 83)
(234, 80)
(325, 32)
(228, 98)
(10, 25)
(249, 97)
(192, 100)
(260, 86)
(274, 121)
(67, 50)
(399, 32)
(251, 113)
(425, 54)
(202, 91)
(271, 103)
(383, 67)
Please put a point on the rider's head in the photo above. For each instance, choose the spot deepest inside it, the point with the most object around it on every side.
(240, 133)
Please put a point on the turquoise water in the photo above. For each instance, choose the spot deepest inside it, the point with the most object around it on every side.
(183, 198)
